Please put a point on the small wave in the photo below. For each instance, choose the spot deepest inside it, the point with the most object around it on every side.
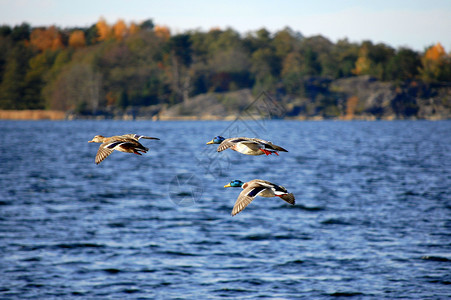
(131, 291)
(309, 208)
(111, 270)
(334, 221)
(79, 245)
(436, 258)
(179, 253)
(232, 290)
(116, 225)
(345, 294)
(263, 237)
(291, 263)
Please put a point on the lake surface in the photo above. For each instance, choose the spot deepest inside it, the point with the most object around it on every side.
(372, 217)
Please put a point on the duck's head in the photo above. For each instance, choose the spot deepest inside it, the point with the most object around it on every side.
(216, 140)
(97, 139)
(234, 183)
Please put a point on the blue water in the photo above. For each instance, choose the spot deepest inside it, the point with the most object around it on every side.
(372, 217)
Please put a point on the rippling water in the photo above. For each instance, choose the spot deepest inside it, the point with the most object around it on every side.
(372, 217)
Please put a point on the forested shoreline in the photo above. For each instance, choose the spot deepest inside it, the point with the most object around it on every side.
(118, 67)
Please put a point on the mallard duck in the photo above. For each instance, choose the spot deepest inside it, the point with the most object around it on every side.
(125, 143)
(258, 187)
(248, 146)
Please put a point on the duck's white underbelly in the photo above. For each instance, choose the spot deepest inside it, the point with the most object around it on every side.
(243, 148)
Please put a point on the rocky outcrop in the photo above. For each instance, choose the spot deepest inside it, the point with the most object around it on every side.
(365, 96)
(351, 98)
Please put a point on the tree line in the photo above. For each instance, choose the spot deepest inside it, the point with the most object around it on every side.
(121, 65)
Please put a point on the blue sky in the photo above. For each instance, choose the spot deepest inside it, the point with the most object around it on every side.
(414, 24)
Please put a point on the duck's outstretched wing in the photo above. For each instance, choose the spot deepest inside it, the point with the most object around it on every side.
(269, 145)
(137, 136)
(105, 150)
(246, 196)
(227, 143)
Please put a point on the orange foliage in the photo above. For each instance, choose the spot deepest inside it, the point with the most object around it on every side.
(351, 104)
(436, 52)
(162, 32)
(133, 28)
(120, 29)
(215, 29)
(77, 39)
(432, 63)
(103, 30)
(44, 39)
(110, 98)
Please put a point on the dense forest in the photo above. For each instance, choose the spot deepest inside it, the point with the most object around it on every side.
(90, 70)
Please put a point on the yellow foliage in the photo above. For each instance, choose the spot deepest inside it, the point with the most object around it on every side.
(120, 29)
(363, 63)
(133, 28)
(77, 39)
(435, 52)
(103, 30)
(162, 32)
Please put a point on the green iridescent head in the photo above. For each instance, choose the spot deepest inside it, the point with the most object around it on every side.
(234, 183)
(216, 140)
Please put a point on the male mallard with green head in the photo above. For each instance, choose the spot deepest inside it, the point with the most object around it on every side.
(258, 187)
(248, 146)
(128, 143)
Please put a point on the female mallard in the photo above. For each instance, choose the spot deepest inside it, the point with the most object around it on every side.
(248, 146)
(125, 143)
(258, 187)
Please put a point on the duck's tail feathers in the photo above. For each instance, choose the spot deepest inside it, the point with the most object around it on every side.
(278, 148)
(288, 198)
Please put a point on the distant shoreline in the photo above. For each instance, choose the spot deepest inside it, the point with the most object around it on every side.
(32, 115)
(35, 115)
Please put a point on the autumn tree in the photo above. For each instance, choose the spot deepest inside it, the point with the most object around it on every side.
(134, 28)
(363, 62)
(345, 55)
(162, 32)
(434, 64)
(77, 39)
(104, 31)
(373, 60)
(120, 29)
(46, 38)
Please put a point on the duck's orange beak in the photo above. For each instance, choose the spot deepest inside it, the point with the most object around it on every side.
(227, 185)
(210, 142)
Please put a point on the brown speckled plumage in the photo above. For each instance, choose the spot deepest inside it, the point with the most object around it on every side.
(128, 143)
